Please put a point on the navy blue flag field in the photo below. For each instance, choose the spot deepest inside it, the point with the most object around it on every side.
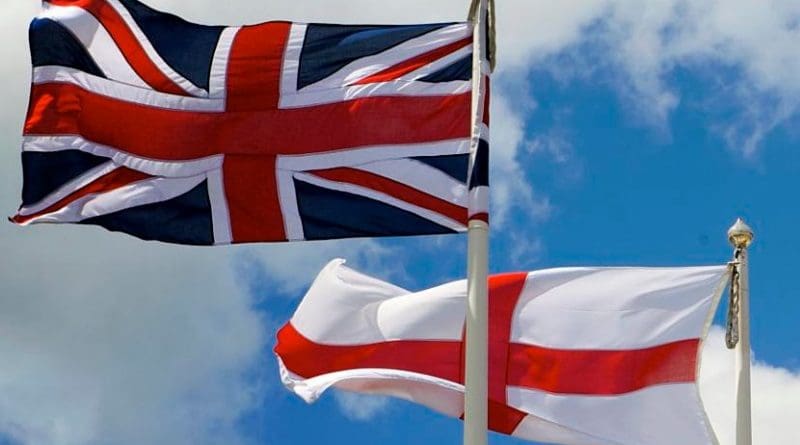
(144, 123)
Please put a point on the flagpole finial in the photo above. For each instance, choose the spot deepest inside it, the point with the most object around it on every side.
(737, 335)
(740, 234)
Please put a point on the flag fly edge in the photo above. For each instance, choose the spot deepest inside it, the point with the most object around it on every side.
(723, 283)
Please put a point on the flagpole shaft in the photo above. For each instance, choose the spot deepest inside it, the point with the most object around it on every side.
(741, 236)
(477, 350)
(743, 420)
(476, 360)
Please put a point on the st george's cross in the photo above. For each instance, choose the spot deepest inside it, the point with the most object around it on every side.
(142, 122)
(579, 355)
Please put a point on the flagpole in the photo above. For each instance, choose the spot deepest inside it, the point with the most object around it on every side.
(476, 361)
(741, 236)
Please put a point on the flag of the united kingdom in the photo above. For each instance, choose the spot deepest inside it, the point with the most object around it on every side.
(142, 122)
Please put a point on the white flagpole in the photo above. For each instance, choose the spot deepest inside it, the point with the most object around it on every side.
(476, 361)
(477, 355)
(741, 236)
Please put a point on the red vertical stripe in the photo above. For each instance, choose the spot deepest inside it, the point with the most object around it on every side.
(487, 94)
(254, 69)
(253, 202)
(253, 83)
(504, 293)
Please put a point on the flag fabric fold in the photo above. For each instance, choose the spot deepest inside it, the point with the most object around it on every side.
(144, 123)
(577, 356)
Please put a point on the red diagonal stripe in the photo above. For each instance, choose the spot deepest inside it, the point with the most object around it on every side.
(115, 179)
(415, 63)
(394, 189)
(483, 216)
(602, 372)
(127, 42)
(60, 109)
(487, 94)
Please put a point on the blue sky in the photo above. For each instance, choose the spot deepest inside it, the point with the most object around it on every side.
(623, 134)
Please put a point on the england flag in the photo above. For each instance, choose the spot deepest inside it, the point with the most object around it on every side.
(577, 356)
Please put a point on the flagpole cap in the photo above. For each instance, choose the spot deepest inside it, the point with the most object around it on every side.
(740, 234)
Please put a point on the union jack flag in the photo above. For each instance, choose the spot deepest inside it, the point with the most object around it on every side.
(144, 123)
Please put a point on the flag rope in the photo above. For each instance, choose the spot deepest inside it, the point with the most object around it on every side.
(732, 324)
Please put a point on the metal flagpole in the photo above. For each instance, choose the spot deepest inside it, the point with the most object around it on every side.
(476, 364)
(738, 336)
(476, 361)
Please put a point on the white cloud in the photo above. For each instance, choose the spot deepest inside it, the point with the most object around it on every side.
(753, 41)
(775, 396)
(756, 38)
(510, 188)
(361, 407)
(116, 341)
(292, 267)
(108, 339)
(645, 42)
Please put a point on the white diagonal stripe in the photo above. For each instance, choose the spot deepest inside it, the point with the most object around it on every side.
(179, 80)
(97, 41)
(367, 66)
(479, 200)
(438, 64)
(401, 87)
(382, 197)
(173, 169)
(365, 155)
(70, 187)
(422, 177)
(124, 92)
(335, 88)
(147, 191)
(219, 66)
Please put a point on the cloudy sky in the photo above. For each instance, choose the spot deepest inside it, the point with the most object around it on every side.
(624, 133)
